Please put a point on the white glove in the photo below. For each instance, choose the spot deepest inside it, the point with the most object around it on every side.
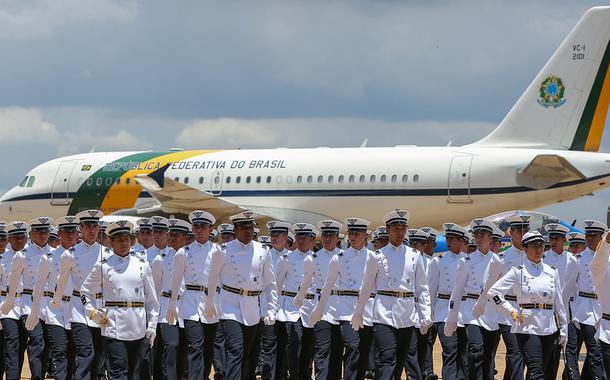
(316, 314)
(479, 307)
(171, 315)
(150, 335)
(31, 322)
(563, 339)
(449, 328)
(209, 310)
(425, 325)
(297, 302)
(5, 308)
(357, 321)
(269, 320)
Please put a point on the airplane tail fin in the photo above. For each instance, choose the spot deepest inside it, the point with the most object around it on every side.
(565, 106)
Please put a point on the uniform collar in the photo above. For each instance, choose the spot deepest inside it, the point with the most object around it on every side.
(301, 252)
(396, 248)
(358, 251)
(244, 245)
(533, 264)
(87, 245)
(121, 258)
(327, 251)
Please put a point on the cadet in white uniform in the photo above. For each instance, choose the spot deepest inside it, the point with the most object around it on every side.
(75, 265)
(273, 360)
(160, 228)
(23, 277)
(227, 232)
(54, 241)
(576, 242)
(511, 257)
(144, 235)
(397, 275)
(190, 266)
(345, 276)
(441, 279)
(567, 267)
(289, 279)
(243, 270)
(600, 271)
(15, 339)
(540, 307)
(382, 237)
(129, 310)
(56, 321)
(168, 336)
(586, 311)
(496, 240)
(3, 243)
(425, 343)
(482, 331)
(327, 333)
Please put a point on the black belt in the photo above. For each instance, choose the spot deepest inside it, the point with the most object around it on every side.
(542, 306)
(288, 293)
(47, 293)
(397, 294)
(197, 288)
(332, 292)
(123, 304)
(587, 295)
(3, 293)
(351, 293)
(510, 298)
(473, 296)
(76, 293)
(606, 316)
(443, 296)
(27, 292)
(242, 292)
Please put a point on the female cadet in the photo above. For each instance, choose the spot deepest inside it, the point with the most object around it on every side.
(600, 272)
(540, 305)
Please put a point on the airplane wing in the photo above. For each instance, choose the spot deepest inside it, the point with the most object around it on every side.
(546, 170)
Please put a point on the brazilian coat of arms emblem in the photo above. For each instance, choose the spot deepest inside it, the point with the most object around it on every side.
(552, 92)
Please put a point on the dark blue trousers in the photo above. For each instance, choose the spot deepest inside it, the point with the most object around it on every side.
(125, 358)
(89, 347)
(16, 341)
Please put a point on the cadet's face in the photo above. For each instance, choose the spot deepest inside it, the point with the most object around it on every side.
(430, 245)
(472, 248)
(121, 244)
(420, 245)
(496, 245)
(304, 242)
(89, 232)
(516, 234)
(383, 241)
(397, 233)
(40, 237)
(68, 237)
(53, 242)
(557, 243)
(3, 242)
(160, 238)
(329, 240)
(225, 238)
(145, 237)
(177, 240)
(18, 241)
(454, 243)
(483, 240)
(534, 251)
(357, 239)
(278, 239)
(244, 232)
(576, 248)
(592, 240)
(201, 232)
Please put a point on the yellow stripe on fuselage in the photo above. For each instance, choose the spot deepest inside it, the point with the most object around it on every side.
(594, 138)
(121, 196)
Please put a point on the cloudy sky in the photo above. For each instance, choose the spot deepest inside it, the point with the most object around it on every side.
(128, 75)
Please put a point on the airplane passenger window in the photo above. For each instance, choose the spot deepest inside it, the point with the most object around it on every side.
(278, 179)
(127, 181)
(331, 179)
(89, 181)
(361, 179)
(228, 180)
(341, 179)
(269, 178)
(31, 181)
(351, 178)
(200, 180)
(258, 179)
(299, 179)
(98, 182)
(177, 179)
(186, 180)
(320, 179)
(25, 180)
(405, 178)
(109, 181)
(118, 181)
(309, 179)
(394, 178)
(416, 178)
(248, 178)
(238, 179)
(372, 179)
(382, 178)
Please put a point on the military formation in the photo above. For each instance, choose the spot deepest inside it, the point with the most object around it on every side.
(174, 299)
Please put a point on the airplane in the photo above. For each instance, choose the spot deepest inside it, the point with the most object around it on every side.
(544, 151)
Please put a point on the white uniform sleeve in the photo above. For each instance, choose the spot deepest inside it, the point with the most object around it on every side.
(44, 268)
(308, 273)
(559, 306)
(421, 290)
(92, 285)
(507, 282)
(14, 277)
(455, 301)
(151, 300)
(331, 280)
(599, 265)
(217, 261)
(269, 288)
(433, 276)
(66, 263)
(370, 275)
(157, 273)
(178, 266)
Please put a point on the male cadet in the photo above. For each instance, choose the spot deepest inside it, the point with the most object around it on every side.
(600, 272)
(55, 322)
(402, 301)
(144, 235)
(417, 239)
(511, 257)
(226, 231)
(586, 311)
(75, 264)
(190, 266)
(129, 310)
(496, 240)
(273, 360)
(168, 335)
(160, 228)
(102, 237)
(22, 277)
(425, 343)
(15, 340)
(345, 276)
(3, 244)
(441, 279)
(54, 241)
(382, 237)
(289, 279)
(327, 334)
(290, 241)
(576, 242)
(213, 235)
(243, 270)
(265, 241)
(482, 330)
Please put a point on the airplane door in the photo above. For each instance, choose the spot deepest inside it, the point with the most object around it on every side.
(60, 191)
(459, 179)
(216, 183)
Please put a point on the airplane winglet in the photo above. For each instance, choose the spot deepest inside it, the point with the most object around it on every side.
(159, 175)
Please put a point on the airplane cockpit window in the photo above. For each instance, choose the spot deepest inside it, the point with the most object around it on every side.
(25, 180)
(31, 181)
